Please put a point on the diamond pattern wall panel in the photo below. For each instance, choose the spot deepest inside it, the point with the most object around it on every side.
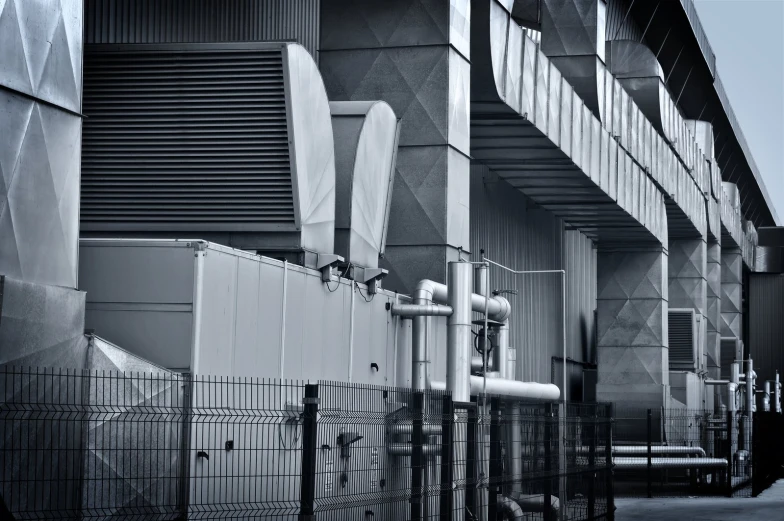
(41, 58)
(571, 27)
(687, 274)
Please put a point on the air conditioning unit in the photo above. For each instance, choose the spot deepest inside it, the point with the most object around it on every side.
(684, 335)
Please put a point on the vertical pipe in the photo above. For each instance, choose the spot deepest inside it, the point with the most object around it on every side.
(777, 394)
(730, 448)
(458, 335)
(548, 480)
(592, 463)
(609, 464)
(351, 335)
(480, 279)
(471, 458)
(766, 397)
(419, 362)
(516, 449)
(749, 387)
(283, 316)
(650, 465)
(496, 466)
(501, 352)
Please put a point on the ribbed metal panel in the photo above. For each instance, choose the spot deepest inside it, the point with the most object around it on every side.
(512, 231)
(203, 21)
(180, 140)
(619, 26)
(766, 324)
(681, 339)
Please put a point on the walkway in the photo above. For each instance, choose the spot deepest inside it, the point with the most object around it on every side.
(769, 506)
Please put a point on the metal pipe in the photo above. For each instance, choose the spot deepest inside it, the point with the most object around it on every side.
(749, 387)
(477, 364)
(421, 310)
(777, 394)
(509, 388)
(510, 509)
(668, 463)
(351, 334)
(515, 450)
(498, 308)
(458, 331)
(501, 352)
(406, 449)
(656, 449)
(480, 280)
(428, 429)
(766, 397)
(535, 503)
(283, 318)
(716, 382)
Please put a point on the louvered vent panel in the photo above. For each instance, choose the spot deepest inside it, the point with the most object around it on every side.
(185, 140)
(681, 338)
(729, 353)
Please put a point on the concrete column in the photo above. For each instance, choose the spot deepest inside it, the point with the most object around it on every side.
(731, 292)
(713, 317)
(415, 56)
(632, 326)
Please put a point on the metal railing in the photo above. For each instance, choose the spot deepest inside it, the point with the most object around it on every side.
(142, 446)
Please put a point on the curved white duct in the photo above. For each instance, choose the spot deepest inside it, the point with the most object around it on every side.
(366, 135)
(508, 388)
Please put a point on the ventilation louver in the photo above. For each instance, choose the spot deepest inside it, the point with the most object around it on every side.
(682, 339)
(228, 142)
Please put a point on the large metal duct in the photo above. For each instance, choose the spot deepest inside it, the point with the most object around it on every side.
(40, 125)
(366, 135)
(668, 463)
(230, 142)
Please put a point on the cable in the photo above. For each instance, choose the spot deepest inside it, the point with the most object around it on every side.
(363, 296)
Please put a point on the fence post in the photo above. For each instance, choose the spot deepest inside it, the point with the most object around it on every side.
(592, 463)
(548, 480)
(447, 448)
(309, 437)
(417, 457)
(496, 465)
(650, 463)
(471, 456)
(730, 431)
(609, 463)
(183, 492)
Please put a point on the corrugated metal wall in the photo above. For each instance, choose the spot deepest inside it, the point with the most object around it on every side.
(766, 327)
(193, 21)
(618, 25)
(513, 233)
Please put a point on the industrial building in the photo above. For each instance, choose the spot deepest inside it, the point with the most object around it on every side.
(538, 200)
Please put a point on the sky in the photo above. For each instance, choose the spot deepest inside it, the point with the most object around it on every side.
(747, 37)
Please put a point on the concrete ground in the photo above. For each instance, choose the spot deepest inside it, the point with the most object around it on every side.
(769, 506)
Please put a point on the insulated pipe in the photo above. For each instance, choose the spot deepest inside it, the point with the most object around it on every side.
(501, 352)
(477, 363)
(766, 397)
(428, 429)
(509, 388)
(716, 382)
(749, 387)
(777, 394)
(480, 280)
(458, 331)
(406, 449)
(510, 509)
(515, 450)
(535, 503)
(421, 310)
(669, 463)
(657, 449)
(498, 308)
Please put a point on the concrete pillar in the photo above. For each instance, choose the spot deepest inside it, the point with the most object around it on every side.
(713, 317)
(731, 292)
(415, 56)
(632, 326)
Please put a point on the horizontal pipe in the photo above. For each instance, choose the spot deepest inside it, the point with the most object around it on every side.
(428, 429)
(657, 449)
(477, 365)
(535, 502)
(405, 449)
(668, 463)
(421, 310)
(716, 382)
(510, 509)
(498, 308)
(509, 388)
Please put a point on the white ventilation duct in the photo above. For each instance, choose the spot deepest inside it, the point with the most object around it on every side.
(366, 136)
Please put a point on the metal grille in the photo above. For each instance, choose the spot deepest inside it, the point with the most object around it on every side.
(185, 137)
(681, 339)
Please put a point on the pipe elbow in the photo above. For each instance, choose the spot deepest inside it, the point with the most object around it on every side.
(425, 290)
(505, 309)
(510, 509)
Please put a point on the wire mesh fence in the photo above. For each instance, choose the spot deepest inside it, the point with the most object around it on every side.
(681, 452)
(170, 446)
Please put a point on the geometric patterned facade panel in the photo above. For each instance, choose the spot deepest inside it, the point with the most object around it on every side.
(39, 191)
(413, 55)
(731, 325)
(688, 287)
(731, 266)
(40, 148)
(632, 325)
(42, 50)
(572, 27)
